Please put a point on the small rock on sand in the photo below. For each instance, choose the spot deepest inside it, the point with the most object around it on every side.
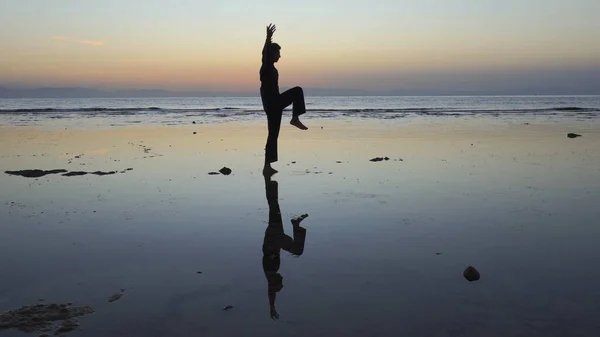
(35, 173)
(225, 170)
(376, 159)
(40, 317)
(573, 135)
(116, 296)
(213, 173)
(100, 173)
(75, 173)
(471, 274)
(67, 325)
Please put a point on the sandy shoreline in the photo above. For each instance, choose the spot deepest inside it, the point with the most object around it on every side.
(516, 201)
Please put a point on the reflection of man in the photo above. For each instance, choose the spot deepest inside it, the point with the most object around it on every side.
(275, 240)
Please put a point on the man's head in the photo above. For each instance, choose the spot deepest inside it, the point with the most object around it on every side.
(275, 52)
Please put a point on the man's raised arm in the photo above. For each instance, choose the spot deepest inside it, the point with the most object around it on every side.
(268, 41)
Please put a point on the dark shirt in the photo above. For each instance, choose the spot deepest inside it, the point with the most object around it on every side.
(269, 77)
(271, 252)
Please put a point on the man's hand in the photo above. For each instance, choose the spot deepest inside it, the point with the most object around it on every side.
(274, 314)
(270, 30)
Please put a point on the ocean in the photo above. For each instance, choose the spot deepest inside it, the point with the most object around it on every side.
(125, 197)
(175, 110)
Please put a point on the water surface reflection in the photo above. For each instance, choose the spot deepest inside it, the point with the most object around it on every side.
(275, 240)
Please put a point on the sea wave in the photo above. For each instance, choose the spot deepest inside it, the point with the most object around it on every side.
(360, 112)
(104, 110)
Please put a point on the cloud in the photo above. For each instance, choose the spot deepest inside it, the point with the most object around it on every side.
(77, 40)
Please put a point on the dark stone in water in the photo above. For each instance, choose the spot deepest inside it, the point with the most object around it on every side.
(116, 296)
(228, 307)
(471, 274)
(67, 326)
(225, 170)
(379, 159)
(40, 317)
(75, 173)
(573, 135)
(36, 173)
(100, 173)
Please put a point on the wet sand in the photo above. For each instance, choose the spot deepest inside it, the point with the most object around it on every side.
(386, 242)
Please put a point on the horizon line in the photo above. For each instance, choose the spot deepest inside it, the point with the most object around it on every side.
(27, 92)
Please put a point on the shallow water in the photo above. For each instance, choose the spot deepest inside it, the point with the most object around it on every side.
(386, 242)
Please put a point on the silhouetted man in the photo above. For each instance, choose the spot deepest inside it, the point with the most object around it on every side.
(275, 240)
(274, 102)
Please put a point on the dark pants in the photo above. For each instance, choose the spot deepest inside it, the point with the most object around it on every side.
(274, 108)
(275, 238)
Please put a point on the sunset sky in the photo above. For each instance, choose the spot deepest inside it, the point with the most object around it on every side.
(373, 45)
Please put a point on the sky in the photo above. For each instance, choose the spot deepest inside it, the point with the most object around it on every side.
(372, 45)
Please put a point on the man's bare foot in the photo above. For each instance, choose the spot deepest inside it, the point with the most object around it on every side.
(269, 171)
(296, 221)
(297, 123)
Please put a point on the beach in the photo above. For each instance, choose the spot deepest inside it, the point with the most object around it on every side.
(448, 184)
(386, 241)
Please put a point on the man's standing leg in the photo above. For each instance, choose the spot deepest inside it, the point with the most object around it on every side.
(274, 124)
